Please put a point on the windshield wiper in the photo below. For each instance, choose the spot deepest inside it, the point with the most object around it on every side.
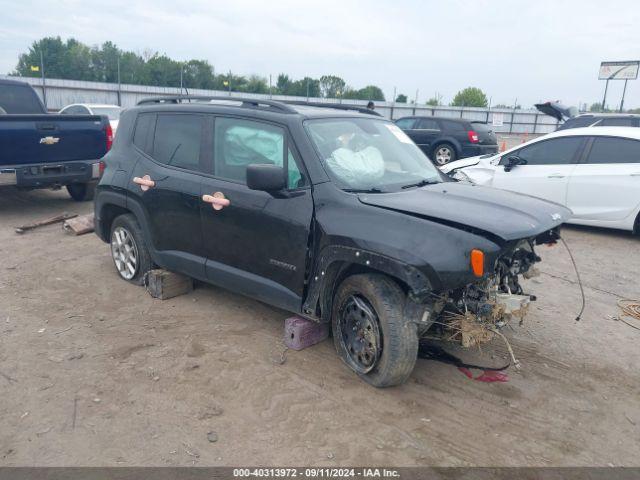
(363, 190)
(421, 183)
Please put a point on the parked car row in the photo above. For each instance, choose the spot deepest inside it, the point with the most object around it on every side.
(595, 172)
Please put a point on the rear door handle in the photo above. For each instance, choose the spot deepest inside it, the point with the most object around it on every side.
(555, 175)
(145, 182)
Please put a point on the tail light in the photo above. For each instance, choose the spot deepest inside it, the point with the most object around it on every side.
(101, 166)
(473, 136)
(109, 132)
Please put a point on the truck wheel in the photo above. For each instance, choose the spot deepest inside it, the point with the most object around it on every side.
(370, 331)
(81, 192)
(443, 154)
(128, 249)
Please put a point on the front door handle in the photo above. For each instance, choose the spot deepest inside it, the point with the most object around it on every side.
(217, 200)
(145, 182)
(635, 174)
(555, 175)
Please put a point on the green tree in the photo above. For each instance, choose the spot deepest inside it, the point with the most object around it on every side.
(470, 97)
(332, 86)
(433, 102)
(402, 98)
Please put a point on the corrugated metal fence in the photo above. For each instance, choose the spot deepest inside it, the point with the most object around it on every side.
(64, 92)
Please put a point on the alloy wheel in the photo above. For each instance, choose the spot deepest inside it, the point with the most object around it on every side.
(124, 252)
(443, 155)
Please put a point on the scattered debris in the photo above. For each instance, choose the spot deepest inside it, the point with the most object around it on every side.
(47, 221)
(42, 330)
(42, 432)
(188, 450)
(62, 331)
(330, 456)
(301, 333)
(431, 351)
(629, 419)
(164, 284)
(75, 412)
(210, 412)
(76, 356)
(631, 309)
(80, 225)
(8, 378)
(212, 437)
(24, 415)
(96, 400)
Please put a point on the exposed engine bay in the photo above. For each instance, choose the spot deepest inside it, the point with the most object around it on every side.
(473, 315)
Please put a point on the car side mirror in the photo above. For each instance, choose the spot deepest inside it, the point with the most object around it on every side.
(514, 161)
(264, 177)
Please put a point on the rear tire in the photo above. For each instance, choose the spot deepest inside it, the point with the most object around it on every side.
(443, 154)
(82, 192)
(370, 331)
(128, 249)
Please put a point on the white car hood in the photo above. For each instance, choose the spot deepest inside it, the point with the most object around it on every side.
(465, 162)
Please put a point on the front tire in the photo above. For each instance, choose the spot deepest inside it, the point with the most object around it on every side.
(443, 154)
(128, 249)
(82, 192)
(370, 332)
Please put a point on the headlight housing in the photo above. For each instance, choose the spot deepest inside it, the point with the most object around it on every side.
(461, 176)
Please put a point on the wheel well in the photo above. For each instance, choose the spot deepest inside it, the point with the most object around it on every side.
(636, 225)
(107, 216)
(336, 274)
(445, 142)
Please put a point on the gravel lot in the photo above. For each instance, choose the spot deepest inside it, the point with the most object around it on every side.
(93, 371)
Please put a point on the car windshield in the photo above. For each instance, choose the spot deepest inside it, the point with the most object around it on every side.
(367, 154)
(112, 112)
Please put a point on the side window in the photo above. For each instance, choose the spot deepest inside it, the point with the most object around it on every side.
(557, 151)
(452, 126)
(614, 150)
(616, 122)
(177, 140)
(406, 123)
(239, 143)
(428, 124)
(143, 128)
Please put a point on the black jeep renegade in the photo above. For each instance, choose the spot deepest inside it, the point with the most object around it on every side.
(334, 215)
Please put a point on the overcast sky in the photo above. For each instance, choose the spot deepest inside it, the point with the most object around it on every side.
(530, 50)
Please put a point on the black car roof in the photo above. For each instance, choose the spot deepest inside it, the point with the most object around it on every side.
(459, 120)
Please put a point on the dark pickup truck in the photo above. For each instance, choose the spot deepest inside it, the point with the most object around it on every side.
(42, 150)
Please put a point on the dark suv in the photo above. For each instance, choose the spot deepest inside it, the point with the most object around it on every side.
(601, 120)
(333, 215)
(445, 139)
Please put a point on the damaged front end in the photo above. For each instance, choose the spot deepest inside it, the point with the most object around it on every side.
(472, 315)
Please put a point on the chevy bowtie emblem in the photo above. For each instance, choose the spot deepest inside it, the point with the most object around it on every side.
(49, 140)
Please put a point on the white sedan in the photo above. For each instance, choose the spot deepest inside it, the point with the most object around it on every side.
(111, 111)
(593, 171)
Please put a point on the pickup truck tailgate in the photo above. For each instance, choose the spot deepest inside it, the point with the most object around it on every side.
(37, 139)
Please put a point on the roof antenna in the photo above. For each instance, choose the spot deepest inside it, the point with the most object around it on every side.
(575, 267)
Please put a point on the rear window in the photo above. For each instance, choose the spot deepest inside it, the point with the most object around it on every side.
(578, 122)
(19, 99)
(616, 122)
(143, 131)
(452, 126)
(177, 140)
(481, 127)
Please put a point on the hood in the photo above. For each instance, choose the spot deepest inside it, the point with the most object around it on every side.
(557, 110)
(492, 212)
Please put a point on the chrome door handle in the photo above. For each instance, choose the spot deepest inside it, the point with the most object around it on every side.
(555, 175)
(145, 182)
(635, 174)
(217, 200)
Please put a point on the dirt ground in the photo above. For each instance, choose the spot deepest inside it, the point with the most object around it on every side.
(95, 372)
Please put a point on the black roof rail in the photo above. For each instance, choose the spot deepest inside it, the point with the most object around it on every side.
(245, 102)
(337, 106)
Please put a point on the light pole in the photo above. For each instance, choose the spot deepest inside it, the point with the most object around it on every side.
(44, 83)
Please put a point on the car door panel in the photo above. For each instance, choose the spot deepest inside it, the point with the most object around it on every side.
(171, 204)
(546, 175)
(257, 245)
(606, 187)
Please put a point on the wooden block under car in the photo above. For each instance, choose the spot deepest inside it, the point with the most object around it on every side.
(80, 225)
(164, 284)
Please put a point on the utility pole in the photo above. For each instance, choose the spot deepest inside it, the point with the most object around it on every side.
(416, 99)
(181, 70)
(44, 83)
(229, 82)
(307, 90)
(270, 91)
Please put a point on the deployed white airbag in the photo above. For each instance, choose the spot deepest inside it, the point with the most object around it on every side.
(357, 168)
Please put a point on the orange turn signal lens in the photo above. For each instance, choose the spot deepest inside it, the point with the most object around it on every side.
(477, 262)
